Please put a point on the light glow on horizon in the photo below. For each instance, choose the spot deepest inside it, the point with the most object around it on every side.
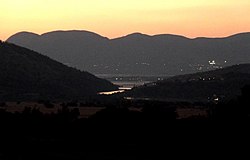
(115, 18)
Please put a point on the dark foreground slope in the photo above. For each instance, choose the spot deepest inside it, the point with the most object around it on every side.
(119, 133)
(221, 84)
(25, 74)
(138, 53)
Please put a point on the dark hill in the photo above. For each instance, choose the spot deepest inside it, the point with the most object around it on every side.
(138, 53)
(221, 84)
(25, 74)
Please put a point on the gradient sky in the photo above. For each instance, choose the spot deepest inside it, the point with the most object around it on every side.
(114, 18)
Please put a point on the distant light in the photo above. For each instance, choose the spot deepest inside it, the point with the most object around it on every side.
(216, 99)
(145, 64)
(128, 98)
(225, 61)
(212, 62)
(216, 67)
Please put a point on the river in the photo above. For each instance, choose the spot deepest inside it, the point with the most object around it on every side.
(127, 82)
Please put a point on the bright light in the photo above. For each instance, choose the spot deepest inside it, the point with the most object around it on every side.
(212, 62)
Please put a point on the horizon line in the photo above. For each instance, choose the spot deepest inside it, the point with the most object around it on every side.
(136, 32)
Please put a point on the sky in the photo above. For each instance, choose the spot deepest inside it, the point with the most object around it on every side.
(115, 18)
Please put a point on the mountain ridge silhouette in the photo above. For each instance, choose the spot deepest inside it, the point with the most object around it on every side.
(221, 84)
(28, 75)
(138, 53)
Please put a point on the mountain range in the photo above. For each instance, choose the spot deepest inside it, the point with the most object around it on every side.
(28, 75)
(138, 53)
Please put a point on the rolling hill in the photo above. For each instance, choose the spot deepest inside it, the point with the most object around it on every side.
(218, 85)
(138, 53)
(25, 74)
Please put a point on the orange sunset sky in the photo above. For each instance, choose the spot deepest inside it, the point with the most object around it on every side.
(115, 18)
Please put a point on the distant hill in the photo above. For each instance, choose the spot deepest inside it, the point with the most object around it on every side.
(138, 53)
(217, 85)
(25, 74)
